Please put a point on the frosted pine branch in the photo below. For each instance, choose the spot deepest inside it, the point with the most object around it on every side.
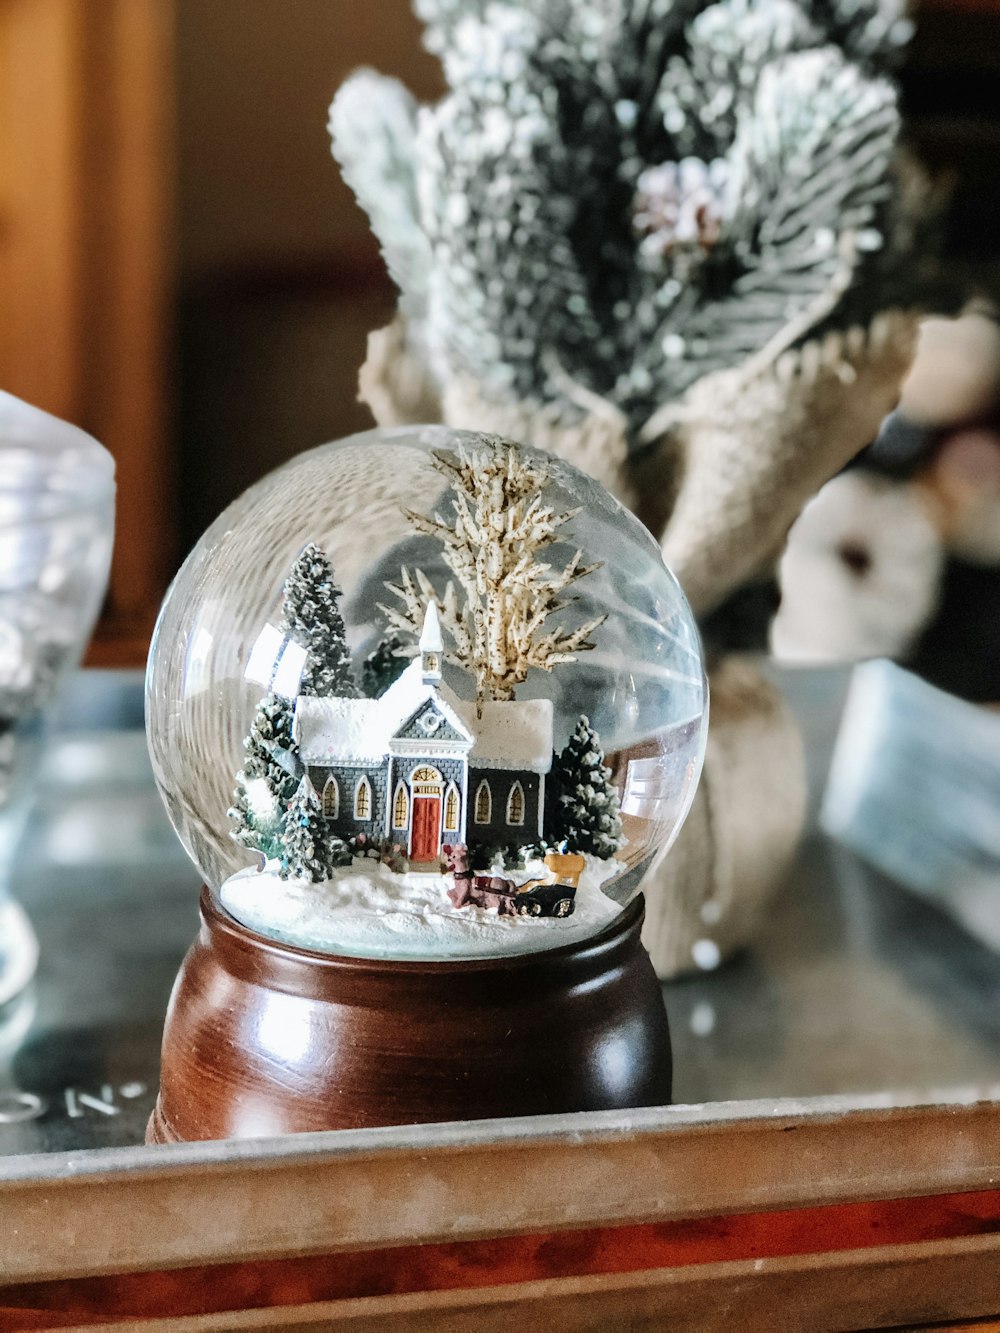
(618, 197)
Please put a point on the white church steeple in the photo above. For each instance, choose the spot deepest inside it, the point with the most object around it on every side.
(431, 646)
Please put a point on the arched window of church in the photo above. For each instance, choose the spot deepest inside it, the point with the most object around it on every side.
(484, 803)
(451, 809)
(331, 799)
(363, 799)
(400, 807)
(515, 805)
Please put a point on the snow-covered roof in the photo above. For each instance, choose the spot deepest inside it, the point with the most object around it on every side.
(354, 731)
(515, 734)
(332, 731)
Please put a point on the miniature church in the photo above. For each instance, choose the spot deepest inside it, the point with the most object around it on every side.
(420, 768)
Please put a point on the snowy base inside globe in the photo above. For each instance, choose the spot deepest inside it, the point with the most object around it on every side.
(366, 910)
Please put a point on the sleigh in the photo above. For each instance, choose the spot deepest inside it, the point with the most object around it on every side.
(553, 895)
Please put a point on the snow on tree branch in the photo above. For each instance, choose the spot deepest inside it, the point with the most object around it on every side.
(617, 197)
(492, 545)
(311, 612)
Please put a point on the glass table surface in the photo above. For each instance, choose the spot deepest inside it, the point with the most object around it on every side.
(855, 986)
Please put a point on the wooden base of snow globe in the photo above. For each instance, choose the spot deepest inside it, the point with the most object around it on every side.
(264, 1038)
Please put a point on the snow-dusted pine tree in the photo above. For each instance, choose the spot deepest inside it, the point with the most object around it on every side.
(585, 813)
(312, 616)
(384, 664)
(303, 841)
(494, 545)
(616, 197)
(267, 779)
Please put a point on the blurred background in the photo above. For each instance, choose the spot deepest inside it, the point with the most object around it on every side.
(184, 274)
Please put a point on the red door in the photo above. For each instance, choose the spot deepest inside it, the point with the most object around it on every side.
(424, 844)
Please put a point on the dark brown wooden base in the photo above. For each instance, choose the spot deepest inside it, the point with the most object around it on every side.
(263, 1038)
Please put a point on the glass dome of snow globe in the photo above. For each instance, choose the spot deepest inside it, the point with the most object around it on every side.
(424, 694)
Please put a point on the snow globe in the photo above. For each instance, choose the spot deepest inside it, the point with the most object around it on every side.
(422, 705)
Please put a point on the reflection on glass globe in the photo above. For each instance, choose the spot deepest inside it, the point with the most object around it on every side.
(422, 693)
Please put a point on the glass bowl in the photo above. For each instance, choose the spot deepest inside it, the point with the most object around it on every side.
(57, 494)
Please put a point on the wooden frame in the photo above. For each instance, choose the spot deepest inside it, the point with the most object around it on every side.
(836, 1211)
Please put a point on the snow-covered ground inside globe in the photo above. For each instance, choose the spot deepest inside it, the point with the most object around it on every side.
(367, 911)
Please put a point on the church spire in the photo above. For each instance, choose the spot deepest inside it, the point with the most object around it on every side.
(431, 645)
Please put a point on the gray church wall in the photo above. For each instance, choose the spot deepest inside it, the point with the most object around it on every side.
(401, 769)
(443, 731)
(498, 831)
(345, 825)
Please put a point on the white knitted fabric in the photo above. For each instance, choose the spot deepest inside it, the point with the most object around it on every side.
(860, 574)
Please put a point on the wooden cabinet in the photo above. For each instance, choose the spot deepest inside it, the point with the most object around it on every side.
(85, 305)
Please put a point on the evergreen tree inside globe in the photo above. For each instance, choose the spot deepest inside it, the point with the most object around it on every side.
(384, 664)
(302, 844)
(313, 617)
(586, 815)
(267, 780)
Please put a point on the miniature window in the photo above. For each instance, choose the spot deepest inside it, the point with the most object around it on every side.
(430, 721)
(425, 775)
(484, 803)
(515, 805)
(363, 800)
(451, 810)
(331, 799)
(400, 808)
